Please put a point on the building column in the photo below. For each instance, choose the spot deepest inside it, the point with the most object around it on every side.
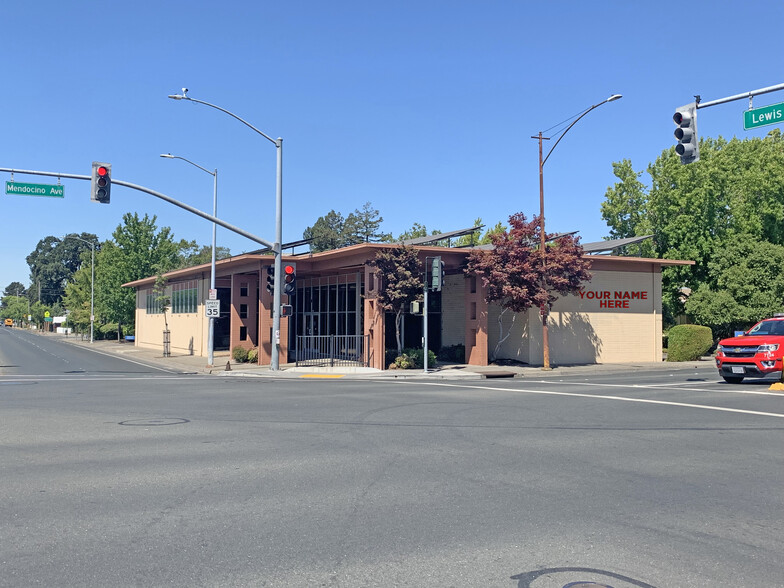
(476, 310)
(374, 323)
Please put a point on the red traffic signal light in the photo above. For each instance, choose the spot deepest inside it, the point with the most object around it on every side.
(290, 279)
(101, 182)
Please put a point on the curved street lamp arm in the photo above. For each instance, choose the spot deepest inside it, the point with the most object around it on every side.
(170, 156)
(610, 99)
(90, 243)
(246, 123)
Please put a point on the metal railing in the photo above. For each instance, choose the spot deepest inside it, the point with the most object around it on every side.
(332, 350)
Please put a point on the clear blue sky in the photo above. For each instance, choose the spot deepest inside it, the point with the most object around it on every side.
(423, 108)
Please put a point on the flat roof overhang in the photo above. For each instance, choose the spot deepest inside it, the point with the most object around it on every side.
(356, 256)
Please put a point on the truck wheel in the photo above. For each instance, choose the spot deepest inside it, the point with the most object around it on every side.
(733, 379)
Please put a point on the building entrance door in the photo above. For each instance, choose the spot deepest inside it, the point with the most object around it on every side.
(311, 324)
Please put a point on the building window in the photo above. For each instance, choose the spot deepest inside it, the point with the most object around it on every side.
(244, 289)
(153, 305)
(472, 283)
(243, 333)
(184, 298)
(329, 305)
(243, 311)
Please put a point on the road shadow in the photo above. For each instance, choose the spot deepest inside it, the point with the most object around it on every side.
(525, 579)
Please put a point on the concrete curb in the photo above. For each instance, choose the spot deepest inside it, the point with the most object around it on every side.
(194, 364)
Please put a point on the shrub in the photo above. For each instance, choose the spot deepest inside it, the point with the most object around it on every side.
(253, 355)
(452, 353)
(415, 358)
(688, 342)
(240, 354)
(107, 331)
(404, 362)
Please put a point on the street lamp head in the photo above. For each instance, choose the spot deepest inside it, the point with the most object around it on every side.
(167, 155)
(183, 96)
(614, 97)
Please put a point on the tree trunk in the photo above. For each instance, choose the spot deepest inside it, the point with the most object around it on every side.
(398, 324)
(501, 338)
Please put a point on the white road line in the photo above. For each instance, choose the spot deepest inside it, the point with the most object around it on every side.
(604, 397)
(18, 378)
(147, 365)
(660, 387)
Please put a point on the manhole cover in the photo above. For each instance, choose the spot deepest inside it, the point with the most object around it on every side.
(154, 422)
(586, 585)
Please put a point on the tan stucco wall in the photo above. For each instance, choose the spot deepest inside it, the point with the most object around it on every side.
(582, 331)
(188, 330)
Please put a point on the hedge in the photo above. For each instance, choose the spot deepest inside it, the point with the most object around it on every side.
(688, 342)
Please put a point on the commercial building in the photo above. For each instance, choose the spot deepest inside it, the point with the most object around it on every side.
(616, 318)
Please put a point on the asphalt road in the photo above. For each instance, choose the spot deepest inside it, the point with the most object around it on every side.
(118, 474)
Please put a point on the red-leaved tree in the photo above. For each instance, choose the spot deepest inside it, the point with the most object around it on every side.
(517, 276)
(400, 283)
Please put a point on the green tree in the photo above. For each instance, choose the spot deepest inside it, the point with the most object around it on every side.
(15, 307)
(515, 275)
(137, 250)
(735, 192)
(746, 284)
(499, 229)
(364, 226)
(624, 209)
(417, 230)
(398, 272)
(327, 233)
(77, 296)
(472, 239)
(53, 262)
(15, 289)
(191, 254)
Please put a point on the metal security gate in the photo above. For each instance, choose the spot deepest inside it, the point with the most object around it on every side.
(332, 350)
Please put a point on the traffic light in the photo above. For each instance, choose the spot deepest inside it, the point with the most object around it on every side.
(270, 279)
(290, 279)
(686, 133)
(437, 274)
(101, 182)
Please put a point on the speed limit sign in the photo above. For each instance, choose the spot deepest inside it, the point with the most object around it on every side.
(212, 308)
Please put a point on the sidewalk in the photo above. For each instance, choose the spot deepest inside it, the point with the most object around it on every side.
(226, 367)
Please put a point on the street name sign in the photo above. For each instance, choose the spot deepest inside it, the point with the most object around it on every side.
(51, 190)
(767, 115)
(212, 308)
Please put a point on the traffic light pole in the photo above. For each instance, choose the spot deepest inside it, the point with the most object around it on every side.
(424, 320)
(748, 95)
(168, 199)
(276, 247)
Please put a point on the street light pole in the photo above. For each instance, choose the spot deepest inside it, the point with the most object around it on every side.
(214, 174)
(276, 249)
(92, 281)
(544, 310)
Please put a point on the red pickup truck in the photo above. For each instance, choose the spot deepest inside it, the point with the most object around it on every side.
(755, 354)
